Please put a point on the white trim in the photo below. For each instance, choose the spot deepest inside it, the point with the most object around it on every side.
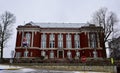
(57, 48)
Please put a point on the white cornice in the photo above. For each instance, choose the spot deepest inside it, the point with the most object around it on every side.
(57, 48)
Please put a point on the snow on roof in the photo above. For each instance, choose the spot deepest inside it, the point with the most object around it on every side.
(59, 25)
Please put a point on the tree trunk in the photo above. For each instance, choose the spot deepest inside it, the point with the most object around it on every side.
(2, 50)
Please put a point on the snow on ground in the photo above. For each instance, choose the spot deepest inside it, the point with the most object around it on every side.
(28, 70)
(8, 67)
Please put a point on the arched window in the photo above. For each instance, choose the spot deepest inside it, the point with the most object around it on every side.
(77, 41)
(43, 41)
(52, 40)
(60, 41)
(68, 37)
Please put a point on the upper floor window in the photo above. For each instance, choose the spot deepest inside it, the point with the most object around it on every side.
(77, 41)
(68, 38)
(28, 36)
(26, 40)
(60, 41)
(43, 41)
(52, 40)
(93, 40)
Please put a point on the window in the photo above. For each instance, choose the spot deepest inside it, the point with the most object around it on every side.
(18, 54)
(28, 37)
(78, 54)
(69, 55)
(52, 40)
(43, 41)
(42, 53)
(51, 54)
(77, 41)
(60, 41)
(93, 40)
(95, 54)
(26, 54)
(68, 37)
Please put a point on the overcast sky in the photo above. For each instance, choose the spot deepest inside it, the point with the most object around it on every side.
(67, 11)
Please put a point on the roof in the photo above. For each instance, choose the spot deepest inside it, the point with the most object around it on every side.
(59, 25)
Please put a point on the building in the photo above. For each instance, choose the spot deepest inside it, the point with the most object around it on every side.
(59, 41)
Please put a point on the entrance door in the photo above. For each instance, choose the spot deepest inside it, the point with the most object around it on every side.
(60, 54)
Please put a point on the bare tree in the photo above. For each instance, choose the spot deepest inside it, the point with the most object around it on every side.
(105, 19)
(6, 22)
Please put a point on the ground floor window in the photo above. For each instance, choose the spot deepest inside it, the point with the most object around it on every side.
(51, 54)
(95, 54)
(31, 54)
(78, 54)
(26, 54)
(69, 55)
(42, 53)
(18, 54)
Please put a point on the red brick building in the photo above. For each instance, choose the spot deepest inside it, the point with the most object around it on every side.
(59, 41)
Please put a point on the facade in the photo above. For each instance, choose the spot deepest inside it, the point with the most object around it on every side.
(59, 42)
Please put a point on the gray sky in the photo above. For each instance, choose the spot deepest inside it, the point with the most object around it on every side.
(67, 11)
